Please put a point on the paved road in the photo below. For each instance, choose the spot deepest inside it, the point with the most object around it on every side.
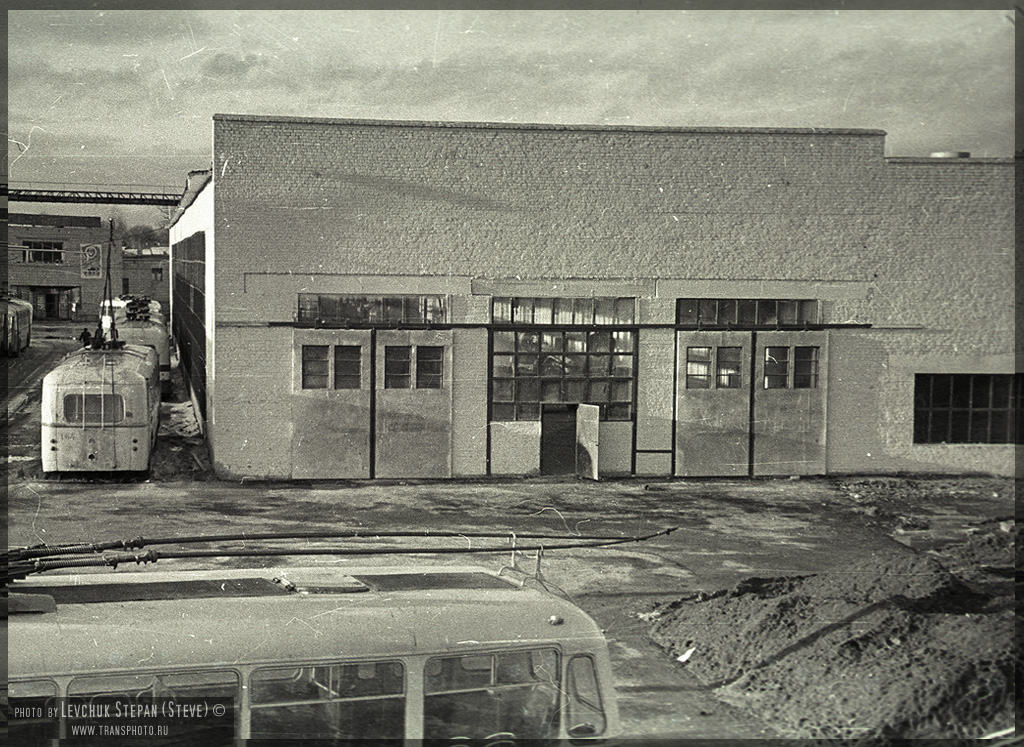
(727, 531)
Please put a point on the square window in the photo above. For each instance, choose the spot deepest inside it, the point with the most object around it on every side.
(503, 412)
(528, 411)
(504, 342)
(552, 341)
(686, 312)
(501, 365)
(527, 365)
(551, 390)
(599, 342)
(575, 390)
(502, 390)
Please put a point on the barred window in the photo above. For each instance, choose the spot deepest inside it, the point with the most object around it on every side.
(339, 309)
(745, 313)
(967, 408)
(534, 366)
(587, 311)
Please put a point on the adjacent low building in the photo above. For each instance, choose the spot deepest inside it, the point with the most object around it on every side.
(146, 272)
(57, 263)
(360, 299)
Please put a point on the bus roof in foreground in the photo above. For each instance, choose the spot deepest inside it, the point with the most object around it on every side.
(245, 616)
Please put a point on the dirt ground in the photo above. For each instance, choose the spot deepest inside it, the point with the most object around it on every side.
(915, 643)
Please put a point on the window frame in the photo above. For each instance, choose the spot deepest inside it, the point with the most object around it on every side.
(44, 252)
(331, 377)
(564, 311)
(361, 310)
(532, 366)
(963, 416)
(783, 371)
(747, 313)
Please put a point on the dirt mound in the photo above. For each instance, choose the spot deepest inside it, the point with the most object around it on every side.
(895, 647)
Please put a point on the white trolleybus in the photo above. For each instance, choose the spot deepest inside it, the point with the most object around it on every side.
(335, 654)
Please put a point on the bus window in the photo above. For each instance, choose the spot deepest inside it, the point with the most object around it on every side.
(32, 712)
(586, 715)
(340, 701)
(94, 409)
(478, 696)
(145, 689)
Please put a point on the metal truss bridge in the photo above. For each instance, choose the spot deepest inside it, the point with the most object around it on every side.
(73, 193)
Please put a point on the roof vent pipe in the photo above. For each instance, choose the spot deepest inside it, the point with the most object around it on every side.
(951, 154)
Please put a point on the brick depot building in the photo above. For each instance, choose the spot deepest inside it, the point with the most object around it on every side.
(57, 263)
(359, 299)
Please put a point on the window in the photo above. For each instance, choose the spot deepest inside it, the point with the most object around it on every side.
(698, 368)
(429, 364)
(109, 700)
(791, 368)
(400, 359)
(47, 252)
(564, 311)
(534, 366)
(728, 368)
(321, 368)
(478, 695)
(124, 287)
(314, 366)
(348, 366)
(340, 701)
(340, 309)
(585, 711)
(93, 409)
(745, 313)
(967, 408)
(723, 361)
(158, 274)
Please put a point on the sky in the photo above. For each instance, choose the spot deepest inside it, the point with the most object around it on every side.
(126, 97)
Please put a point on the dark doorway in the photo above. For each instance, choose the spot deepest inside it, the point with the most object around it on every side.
(558, 440)
(52, 306)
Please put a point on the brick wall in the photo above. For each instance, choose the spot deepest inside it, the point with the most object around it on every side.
(22, 275)
(918, 249)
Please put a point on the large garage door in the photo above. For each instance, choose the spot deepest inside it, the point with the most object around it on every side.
(750, 403)
(413, 403)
